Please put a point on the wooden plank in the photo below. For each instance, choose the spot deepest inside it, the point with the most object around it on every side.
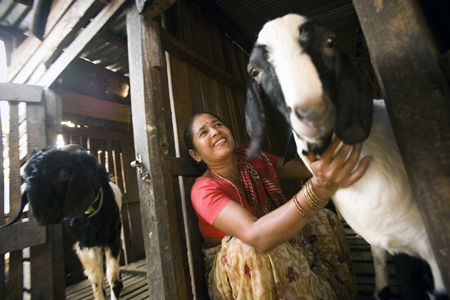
(20, 93)
(94, 107)
(224, 23)
(184, 167)
(131, 202)
(67, 26)
(46, 258)
(14, 159)
(166, 262)
(185, 53)
(181, 97)
(53, 115)
(415, 90)
(152, 9)
(2, 217)
(26, 49)
(21, 235)
(78, 44)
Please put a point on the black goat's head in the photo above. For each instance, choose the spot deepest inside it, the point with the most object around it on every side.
(59, 184)
(312, 83)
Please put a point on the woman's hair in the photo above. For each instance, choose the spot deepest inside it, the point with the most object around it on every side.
(188, 134)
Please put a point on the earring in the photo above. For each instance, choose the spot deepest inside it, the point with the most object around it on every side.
(198, 160)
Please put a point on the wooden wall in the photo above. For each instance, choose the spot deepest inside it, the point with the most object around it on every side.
(207, 72)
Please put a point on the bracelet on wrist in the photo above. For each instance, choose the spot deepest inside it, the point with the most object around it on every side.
(299, 207)
(311, 199)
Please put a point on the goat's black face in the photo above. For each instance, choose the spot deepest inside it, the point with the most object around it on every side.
(49, 176)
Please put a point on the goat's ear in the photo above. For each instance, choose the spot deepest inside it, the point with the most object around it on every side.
(79, 196)
(355, 103)
(255, 119)
(19, 210)
(291, 149)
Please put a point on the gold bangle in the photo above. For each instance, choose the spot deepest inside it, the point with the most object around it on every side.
(311, 199)
(299, 207)
(313, 205)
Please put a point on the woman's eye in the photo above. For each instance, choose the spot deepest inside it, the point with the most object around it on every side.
(254, 72)
(330, 42)
(218, 125)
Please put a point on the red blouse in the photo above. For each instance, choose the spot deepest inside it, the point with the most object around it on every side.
(209, 196)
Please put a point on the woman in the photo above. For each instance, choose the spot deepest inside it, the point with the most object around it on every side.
(258, 244)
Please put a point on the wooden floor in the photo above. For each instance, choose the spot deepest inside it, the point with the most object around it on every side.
(135, 282)
(134, 279)
(363, 266)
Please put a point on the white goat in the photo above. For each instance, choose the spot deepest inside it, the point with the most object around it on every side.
(316, 88)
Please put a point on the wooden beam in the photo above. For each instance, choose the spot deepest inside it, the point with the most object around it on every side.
(167, 268)
(40, 12)
(78, 44)
(96, 108)
(114, 39)
(26, 49)
(416, 91)
(153, 8)
(67, 26)
(20, 92)
(98, 134)
(22, 235)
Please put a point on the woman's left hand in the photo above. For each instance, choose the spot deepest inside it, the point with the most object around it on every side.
(334, 170)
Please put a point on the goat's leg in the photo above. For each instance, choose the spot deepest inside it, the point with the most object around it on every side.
(413, 275)
(382, 290)
(439, 287)
(92, 261)
(112, 272)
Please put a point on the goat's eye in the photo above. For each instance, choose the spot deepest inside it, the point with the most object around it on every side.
(330, 42)
(254, 72)
(63, 175)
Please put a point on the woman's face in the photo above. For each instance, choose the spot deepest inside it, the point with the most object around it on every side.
(211, 138)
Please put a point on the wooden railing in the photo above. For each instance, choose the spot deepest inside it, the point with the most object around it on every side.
(30, 253)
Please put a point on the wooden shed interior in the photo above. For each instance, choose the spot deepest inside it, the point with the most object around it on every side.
(122, 77)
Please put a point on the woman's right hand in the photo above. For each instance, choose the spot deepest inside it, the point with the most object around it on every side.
(333, 171)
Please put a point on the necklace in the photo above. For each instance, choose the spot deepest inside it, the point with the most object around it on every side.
(217, 176)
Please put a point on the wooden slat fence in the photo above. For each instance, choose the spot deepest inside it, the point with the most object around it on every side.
(29, 120)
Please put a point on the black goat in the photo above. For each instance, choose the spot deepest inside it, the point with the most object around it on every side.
(68, 185)
(313, 84)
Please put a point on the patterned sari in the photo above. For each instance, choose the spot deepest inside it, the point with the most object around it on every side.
(315, 264)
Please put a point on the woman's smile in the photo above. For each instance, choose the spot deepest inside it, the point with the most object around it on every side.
(219, 142)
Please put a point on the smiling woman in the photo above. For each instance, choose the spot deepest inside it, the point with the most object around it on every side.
(257, 243)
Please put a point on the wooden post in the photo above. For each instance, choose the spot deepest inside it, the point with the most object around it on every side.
(46, 258)
(167, 273)
(404, 56)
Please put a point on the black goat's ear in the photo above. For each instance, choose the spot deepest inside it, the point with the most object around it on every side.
(291, 149)
(19, 210)
(255, 119)
(355, 103)
(79, 196)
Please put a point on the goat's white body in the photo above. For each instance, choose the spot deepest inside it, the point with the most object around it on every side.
(380, 206)
(117, 195)
(317, 91)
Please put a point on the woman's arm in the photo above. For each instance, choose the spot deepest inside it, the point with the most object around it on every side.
(280, 225)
